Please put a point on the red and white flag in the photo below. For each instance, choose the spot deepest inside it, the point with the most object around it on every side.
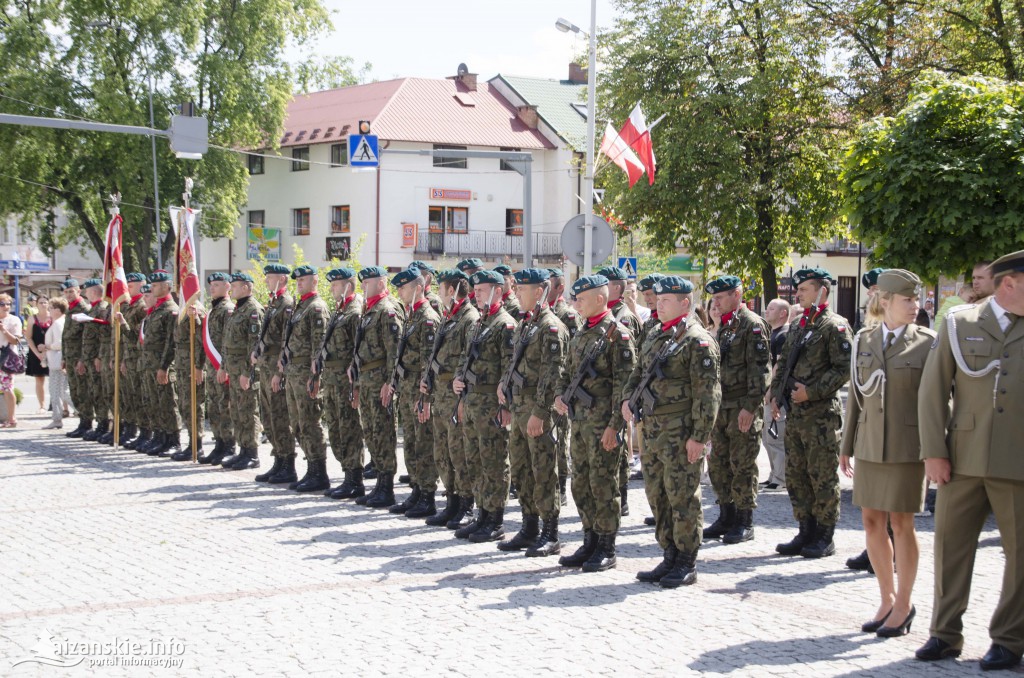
(637, 136)
(189, 288)
(212, 354)
(619, 152)
(115, 284)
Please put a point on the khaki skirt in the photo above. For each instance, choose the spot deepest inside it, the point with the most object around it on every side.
(894, 488)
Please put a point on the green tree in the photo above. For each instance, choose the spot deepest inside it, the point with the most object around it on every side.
(939, 186)
(82, 59)
(748, 154)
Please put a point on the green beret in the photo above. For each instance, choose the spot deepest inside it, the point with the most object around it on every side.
(532, 276)
(556, 273)
(422, 265)
(135, 277)
(340, 274)
(241, 277)
(303, 271)
(146, 289)
(406, 276)
(673, 284)
(486, 277)
(613, 273)
(870, 279)
(805, 274)
(91, 282)
(899, 281)
(69, 283)
(159, 277)
(1011, 263)
(451, 276)
(469, 263)
(372, 272)
(722, 284)
(503, 269)
(218, 277)
(279, 269)
(589, 282)
(647, 283)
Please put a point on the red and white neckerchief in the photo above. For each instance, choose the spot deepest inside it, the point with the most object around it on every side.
(672, 323)
(307, 295)
(416, 306)
(373, 301)
(593, 321)
(813, 312)
(157, 304)
(455, 308)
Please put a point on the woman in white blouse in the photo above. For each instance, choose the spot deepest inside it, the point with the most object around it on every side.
(10, 335)
(60, 397)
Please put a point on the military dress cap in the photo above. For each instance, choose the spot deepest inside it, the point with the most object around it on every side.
(159, 277)
(870, 279)
(589, 282)
(422, 265)
(146, 289)
(673, 284)
(469, 263)
(69, 283)
(241, 276)
(486, 278)
(503, 269)
(406, 276)
(342, 273)
(372, 272)
(451, 275)
(613, 273)
(899, 281)
(135, 277)
(91, 282)
(1011, 263)
(279, 269)
(218, 276)
(805, 274)
(303, 271)
(556, 273)
(647, 282)
(722, 284)
(532, 276)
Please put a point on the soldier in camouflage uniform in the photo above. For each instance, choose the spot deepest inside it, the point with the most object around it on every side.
(376, 346)
(571, 319)
(743, 343)
(131, 311)
(539, 346)
(190, 360)
(427, 272)
(331, 364)
(218, 402)
(814, 365)
(92, 341)
(509, 301)
(646, 288)
(71, 344)
(136, 362)
(241, 331)
(105, 355)
(606, 346)
(302, 339)
(421, 324)
(450, 345)
(274, 403)
(679, 422)
(483, 421)
(157, 337)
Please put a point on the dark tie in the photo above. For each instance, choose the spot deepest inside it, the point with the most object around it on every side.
(1013, 318)
(889, 341)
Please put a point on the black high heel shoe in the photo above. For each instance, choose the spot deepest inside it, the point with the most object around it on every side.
(901, 630)
(875, 624)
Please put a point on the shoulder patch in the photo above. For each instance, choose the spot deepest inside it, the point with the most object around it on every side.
(510, 326)
(254, 315)
(429, 323)
(841, 327)
(845, 345)
(391, 313)
(703, 343)
(553, 329)
(757, 329)
(707, 363)
(624, 335)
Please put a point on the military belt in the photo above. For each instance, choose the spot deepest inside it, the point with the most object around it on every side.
(528, 390)
(372, 365)
(445, 376)
(484, 388)
(334, 363)
(670, 408)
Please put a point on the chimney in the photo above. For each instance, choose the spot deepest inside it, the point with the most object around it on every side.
(528, 116)
(463, 76)
(577, 73)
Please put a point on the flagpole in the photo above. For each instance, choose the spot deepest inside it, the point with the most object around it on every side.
(193, 434)
(115, 210)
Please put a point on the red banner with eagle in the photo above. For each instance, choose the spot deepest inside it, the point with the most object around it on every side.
(185, 271)
(115, 284)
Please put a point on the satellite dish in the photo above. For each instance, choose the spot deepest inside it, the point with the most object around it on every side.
(463, 69)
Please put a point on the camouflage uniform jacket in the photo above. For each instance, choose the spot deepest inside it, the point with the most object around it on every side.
(182, 333)
(743, 343)
(71, 340)
(96, 333)
(157, 332)
(493, 334)
(435, 302)
(339, 342)
(626, 317)
(133, 312)
(278, 311)
(451, 342)
(568, 315)
(221, 309)
(420, 329)
(511, 305)
(824, 365)
(305, 334)
(543, 362)
(613, 366)
(241, 330)
(381, 328)
(652, 324)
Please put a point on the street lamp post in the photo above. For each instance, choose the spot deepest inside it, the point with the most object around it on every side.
(588, 173)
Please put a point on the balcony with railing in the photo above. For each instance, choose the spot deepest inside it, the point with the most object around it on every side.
(487, 245)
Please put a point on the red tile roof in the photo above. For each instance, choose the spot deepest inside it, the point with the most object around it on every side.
(410, 109)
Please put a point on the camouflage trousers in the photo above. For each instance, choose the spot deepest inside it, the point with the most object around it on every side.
(486, 449)
(378, 422)
(144, 414)
(130, 398)
(161, 401)
(733, 461)
(448, 443)
(245, 421)
(218, 406)
(274, 413)
(419, 439)
(595, 475)
(101, 392)
(183, 389)
(534, 466)
(78, 384)
(812, 463)
(672, 484)
(563, 433)
(304, 415)
(343, 428)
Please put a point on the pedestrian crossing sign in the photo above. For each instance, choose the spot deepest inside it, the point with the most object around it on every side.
(363, 150)
(628, 264)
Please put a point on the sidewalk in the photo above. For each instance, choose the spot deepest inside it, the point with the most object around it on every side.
(209, 572)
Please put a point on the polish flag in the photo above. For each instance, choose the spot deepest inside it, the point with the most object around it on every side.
(638, 137)
(619, 152)
(212, 354)
(115, 284)
(187, 276)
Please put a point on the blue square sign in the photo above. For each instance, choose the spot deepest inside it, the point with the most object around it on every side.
(628, 264)
(363, 150)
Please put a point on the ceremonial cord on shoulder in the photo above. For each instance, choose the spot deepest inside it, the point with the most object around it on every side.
(870, 386)
(958, 355)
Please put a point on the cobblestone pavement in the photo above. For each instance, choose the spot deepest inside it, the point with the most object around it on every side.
(220, 575)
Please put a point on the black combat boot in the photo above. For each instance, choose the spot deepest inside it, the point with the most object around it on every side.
(802, 538)
(218, 445)
(183, 453)
(83, 426)
(473, 525)
(107, 438)
(318, 481)
(131, 432)
(216, 456)
(624, 496)
(464, 516)
(247, 458)
(526, 535)
(373, 493)
(370, 471)
(662, 568)
(229, 455)
(547, 543)
(310, 471)
(583, 553)
(265, 477)
(742, 528)
(683, 572)
(93, 435)
(172, 445)
(156, 444)
(145, 435)
(451, 509)
(724, 522)
(603, 557)
(860, 562)
(285, 473)
(423, 507)
(492, 529)
(386, 496)
(821, 544)
(351, 487)
(409, 502)
(143, 444)
(404, 479)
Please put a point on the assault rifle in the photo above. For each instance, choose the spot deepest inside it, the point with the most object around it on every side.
(261, 343)
(575, 393)
(433, 365)
(398, 373)
(468, 375)
(512, 375)
(642, 401)
(360, 334)
(783, 396)
(321, 353)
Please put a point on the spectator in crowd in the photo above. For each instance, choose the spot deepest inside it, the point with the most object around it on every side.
(60, 395)
(36, 365)
(10, 336)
